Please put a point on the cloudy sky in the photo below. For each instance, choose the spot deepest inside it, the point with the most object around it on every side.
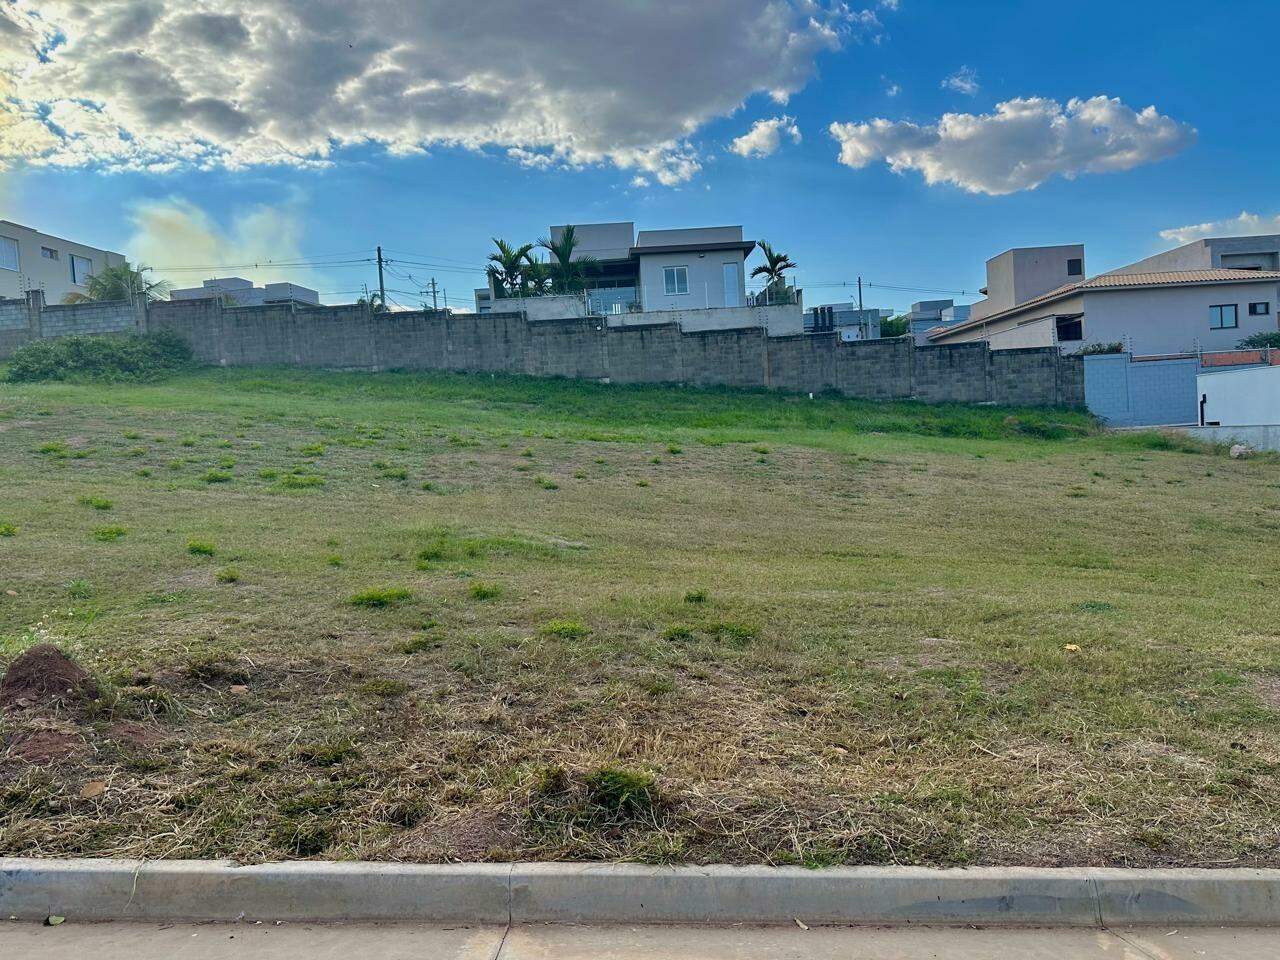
(905, 141)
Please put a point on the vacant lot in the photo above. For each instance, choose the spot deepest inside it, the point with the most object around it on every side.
(433, 617)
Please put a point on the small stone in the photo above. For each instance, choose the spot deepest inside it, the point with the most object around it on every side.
(239, 689)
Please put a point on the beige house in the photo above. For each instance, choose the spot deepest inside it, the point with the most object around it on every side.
(1038, 297)
(31, 260)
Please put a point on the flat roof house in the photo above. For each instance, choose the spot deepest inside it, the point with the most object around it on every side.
(1038, 296)
(242, 292)
(31, 260)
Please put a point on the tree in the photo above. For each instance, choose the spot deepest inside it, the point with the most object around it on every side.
(508, 268)
(121, 282)
(567, 273)
(1259, 340)
(775, 265)
(894, 326)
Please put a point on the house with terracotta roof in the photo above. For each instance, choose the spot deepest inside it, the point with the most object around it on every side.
(1203, 297)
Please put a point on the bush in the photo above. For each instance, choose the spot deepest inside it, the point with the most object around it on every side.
(1096, 348)
(113, 357)
(621, 791)
(1260, 340)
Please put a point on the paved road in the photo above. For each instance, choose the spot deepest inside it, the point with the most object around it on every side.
(130, 941)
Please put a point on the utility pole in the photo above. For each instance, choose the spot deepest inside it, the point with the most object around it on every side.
(435, 302)
(382, 287)
(859, 295)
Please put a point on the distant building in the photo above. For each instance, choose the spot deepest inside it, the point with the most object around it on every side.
(242, 292)
(1204, 296)
(847, 319)
(930, 314)
(30, 260)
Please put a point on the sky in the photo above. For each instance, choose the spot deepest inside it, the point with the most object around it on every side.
(903, 141)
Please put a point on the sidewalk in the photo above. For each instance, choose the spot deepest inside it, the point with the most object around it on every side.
(209, 941)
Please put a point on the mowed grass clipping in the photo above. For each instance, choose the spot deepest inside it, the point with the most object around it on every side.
(332, 616)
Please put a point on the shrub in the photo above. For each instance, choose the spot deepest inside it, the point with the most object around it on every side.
(1259, 340)
(546, 484)
(200, 548)
(98, 503)
(111, 357)
(380, 597)
(620, 791)
(228, 575)
(109, 534)
(301, 481)
(1094, 349)
(217, 476)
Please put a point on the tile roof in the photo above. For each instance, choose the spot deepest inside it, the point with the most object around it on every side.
(1120, 281)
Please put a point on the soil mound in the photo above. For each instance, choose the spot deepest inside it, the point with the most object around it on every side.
(44, 677)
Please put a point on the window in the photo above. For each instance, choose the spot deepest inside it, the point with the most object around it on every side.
(1223, 317)
(1070, 329)
(675, 280)
(8, 253)
(1075, 267)
(1261, 309)
(81, 270)
(49, 253)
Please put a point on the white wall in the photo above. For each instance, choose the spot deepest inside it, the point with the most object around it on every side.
(1035, 333)
(781, 320)
(1241, 397)
(706, 279)
(543, 308)
(998, 328)
(36, 272)
(1175, 319)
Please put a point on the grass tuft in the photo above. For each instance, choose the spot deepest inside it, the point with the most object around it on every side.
(380, 597)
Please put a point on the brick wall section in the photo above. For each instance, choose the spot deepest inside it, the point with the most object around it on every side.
(87, 319)
(350, 337)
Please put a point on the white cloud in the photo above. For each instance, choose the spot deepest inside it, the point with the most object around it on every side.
(1019, 146)
(765, 136)
(639, 182)
(891, 89)
(964, 80)
(142, 84)
(177, 233)
(1247, 224)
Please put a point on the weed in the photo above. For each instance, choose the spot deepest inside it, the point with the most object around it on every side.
(546, 484)
(98, 503)
(621, 792)
(735, 634)
(8, 530)
(677, 633)
(200, 548)
(79, 590)
(334, 560)
(696, 596)
(674, 450)
(326, 754)
(216, 476)
(268, 474)
(228, 575)
(301, 481)
(419, 644)
(565, 629)
(484, 591)
(109, 534)
(380, 597)
(642, 483)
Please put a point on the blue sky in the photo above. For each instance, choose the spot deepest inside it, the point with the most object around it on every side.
(239, 184)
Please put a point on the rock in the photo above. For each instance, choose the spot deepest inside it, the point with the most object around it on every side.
(1240, 452)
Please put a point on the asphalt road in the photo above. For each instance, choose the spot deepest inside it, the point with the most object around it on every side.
(209, 941)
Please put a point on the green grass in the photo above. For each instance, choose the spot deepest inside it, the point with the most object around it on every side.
(943, 635)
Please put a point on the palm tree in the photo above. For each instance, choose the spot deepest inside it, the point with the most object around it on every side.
(567, 274)
(121, 282)
(775, 265)
(537, 276)
(508, 268)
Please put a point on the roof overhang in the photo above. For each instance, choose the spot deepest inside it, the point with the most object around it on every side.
(746, 246)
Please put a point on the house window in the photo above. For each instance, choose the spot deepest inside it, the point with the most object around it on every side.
(1070, 329)
(1260, 309)
(8, 253)
(675, 280)
(81, 270)
(49, 253)
(1223, 317)
(1075, 267)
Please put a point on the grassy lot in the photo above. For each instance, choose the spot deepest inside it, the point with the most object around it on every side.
(430, 617)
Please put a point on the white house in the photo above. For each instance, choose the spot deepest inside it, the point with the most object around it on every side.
(694, 276)
(1039, 297)
(242, 292)
(30, 260)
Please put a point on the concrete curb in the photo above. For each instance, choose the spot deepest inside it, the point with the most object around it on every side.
(624, 893)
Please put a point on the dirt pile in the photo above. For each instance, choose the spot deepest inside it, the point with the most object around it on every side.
(44, 678)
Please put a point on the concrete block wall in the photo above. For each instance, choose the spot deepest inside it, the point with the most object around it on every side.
(87, 319)
(1146, 393)
(351, 337)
